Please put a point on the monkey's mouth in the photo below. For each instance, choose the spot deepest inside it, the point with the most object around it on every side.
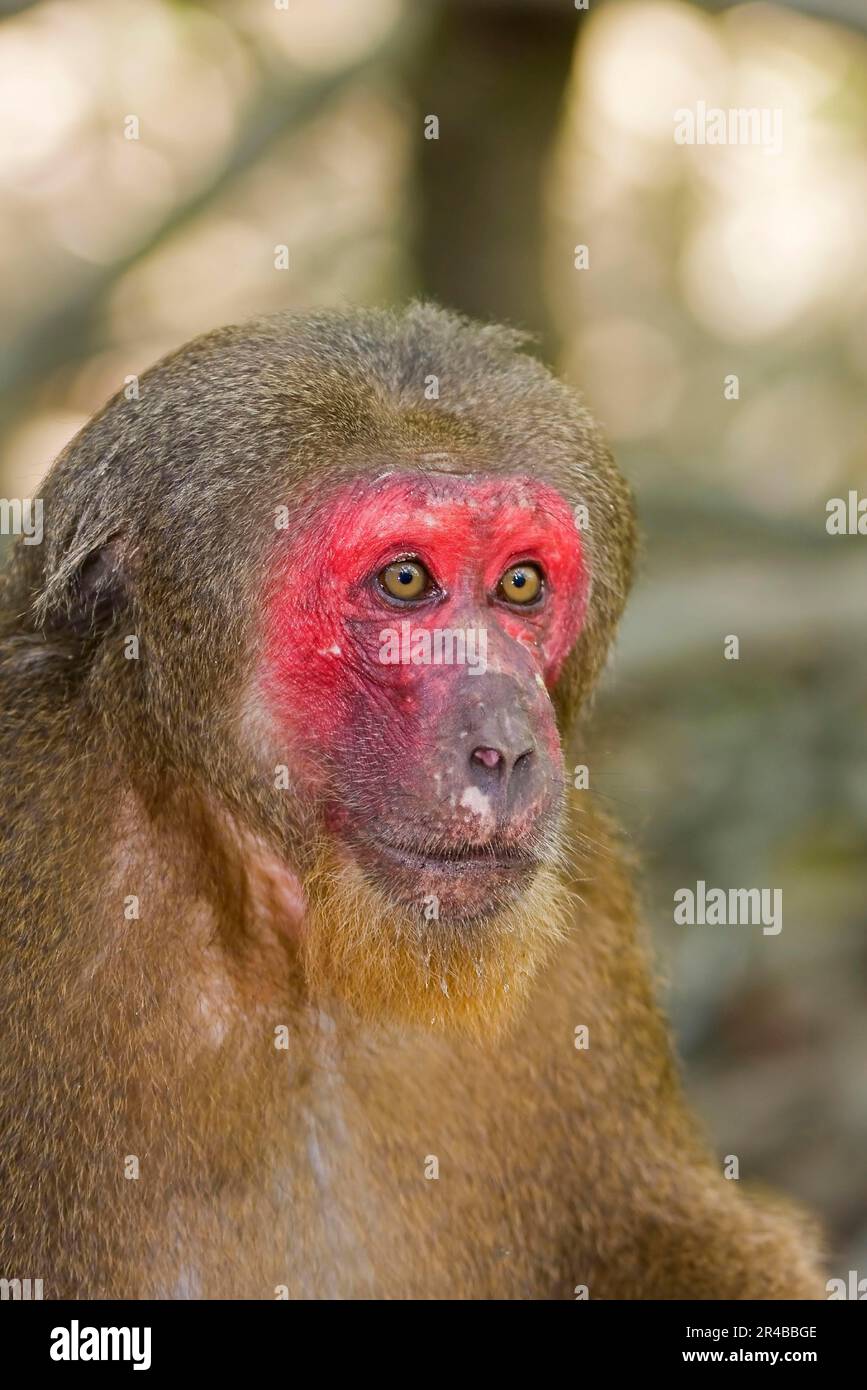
(462, 859)
(466, 880)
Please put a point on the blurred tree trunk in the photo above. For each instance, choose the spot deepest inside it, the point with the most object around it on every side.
(494, 74)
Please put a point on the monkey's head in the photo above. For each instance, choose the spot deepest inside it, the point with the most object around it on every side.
(373, 563)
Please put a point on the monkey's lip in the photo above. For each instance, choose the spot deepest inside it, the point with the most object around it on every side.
(451, 863)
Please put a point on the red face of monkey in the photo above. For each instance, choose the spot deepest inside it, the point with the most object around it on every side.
(417, 627)
(416, 631)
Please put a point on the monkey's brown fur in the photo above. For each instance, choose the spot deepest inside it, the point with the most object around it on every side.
(305, 1166)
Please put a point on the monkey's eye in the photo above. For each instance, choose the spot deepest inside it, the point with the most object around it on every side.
(406, 579)
(520, 584)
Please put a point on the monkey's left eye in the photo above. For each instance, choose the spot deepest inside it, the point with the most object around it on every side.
(521, 584)
(406, 579)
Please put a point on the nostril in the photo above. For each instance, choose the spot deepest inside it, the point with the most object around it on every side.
(522, 760)
(488, 757)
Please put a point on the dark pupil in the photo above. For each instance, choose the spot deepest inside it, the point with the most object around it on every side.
(406, 576)
(519, 579)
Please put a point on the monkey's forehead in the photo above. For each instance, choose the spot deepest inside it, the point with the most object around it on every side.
(486, 502)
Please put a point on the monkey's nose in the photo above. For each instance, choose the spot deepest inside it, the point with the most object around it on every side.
(503, 760)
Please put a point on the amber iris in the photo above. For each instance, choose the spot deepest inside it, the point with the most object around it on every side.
(405, 579)
(521, 584)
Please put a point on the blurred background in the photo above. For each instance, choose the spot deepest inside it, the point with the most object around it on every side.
(259, 124)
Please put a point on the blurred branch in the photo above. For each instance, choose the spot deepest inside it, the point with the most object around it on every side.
(796, 608)
(852, 13)
(704, 514)
(67, 333)
(8, 8)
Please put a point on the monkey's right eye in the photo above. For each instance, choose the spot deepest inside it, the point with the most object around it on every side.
(406, 579)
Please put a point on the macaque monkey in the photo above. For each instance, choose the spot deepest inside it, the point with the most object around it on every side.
(318, 978)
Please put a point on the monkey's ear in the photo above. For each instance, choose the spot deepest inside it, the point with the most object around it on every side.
(92, 594)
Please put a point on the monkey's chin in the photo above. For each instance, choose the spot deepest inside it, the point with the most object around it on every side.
(463, 967)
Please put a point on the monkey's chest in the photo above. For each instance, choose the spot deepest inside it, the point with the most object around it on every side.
(396, 1204)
